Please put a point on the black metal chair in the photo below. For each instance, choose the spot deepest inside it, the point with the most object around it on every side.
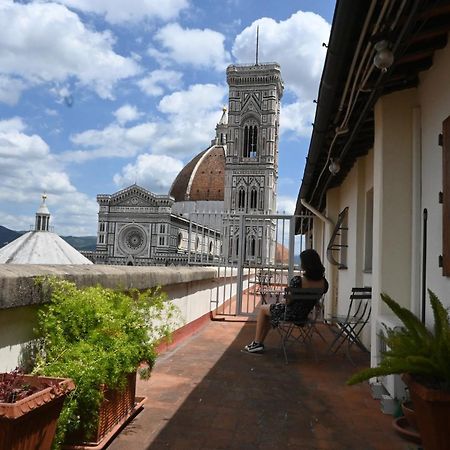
(298, 324)
(348, 328)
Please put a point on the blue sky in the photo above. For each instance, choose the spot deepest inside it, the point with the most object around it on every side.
(98, 94)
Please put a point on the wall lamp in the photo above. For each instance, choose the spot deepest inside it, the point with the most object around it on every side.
(334, 166)
(384, 57)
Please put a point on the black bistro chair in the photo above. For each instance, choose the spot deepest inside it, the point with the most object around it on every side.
(348, 328)
(298, 324)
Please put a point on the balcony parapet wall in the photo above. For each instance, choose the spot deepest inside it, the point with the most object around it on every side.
(18, 285)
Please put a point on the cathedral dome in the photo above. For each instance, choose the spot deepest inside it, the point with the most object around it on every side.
(203, 178)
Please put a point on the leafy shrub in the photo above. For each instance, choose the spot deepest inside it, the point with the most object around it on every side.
(414, 349)
(96, 336)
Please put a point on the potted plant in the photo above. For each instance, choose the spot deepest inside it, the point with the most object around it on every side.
(423, 357)
(29, 409)
(99, 337)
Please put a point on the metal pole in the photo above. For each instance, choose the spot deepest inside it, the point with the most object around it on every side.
(424, 264)
(291, 248)
(240, 277)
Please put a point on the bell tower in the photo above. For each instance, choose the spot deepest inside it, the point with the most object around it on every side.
(251, 168)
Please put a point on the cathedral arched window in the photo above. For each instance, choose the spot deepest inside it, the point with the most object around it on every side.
(241, 198)
(253, 199)
(252, 246)
(250, 149)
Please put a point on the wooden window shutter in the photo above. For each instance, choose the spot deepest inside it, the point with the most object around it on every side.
(446, 197)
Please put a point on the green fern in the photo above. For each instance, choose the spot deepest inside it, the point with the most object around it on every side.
(413, 348)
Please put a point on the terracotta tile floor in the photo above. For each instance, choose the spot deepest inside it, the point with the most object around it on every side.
(207, 394)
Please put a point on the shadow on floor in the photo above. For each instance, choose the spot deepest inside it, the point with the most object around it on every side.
(248, 401)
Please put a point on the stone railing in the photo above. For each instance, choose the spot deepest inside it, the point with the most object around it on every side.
(190, 288)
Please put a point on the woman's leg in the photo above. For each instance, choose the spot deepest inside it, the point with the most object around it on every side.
(262, 323)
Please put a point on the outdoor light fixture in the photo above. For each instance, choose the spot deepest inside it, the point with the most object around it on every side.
(334, 166)
(384, 57)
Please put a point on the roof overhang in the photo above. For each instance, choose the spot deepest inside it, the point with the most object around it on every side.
(344, 124)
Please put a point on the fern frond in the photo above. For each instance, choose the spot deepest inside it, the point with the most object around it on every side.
(441, 319)
(412, 323)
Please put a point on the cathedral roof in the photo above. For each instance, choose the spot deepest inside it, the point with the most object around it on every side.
(40, 247)
(202, 178)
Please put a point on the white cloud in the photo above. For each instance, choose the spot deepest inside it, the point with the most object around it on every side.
(112, 141)
(192, 115)
(46, 42)
(296, 44)
(10, 89)
(28, 168)
(286, 204)
(127, 113)
(198, 47)
(159, 80)
(119, 11)
(186, 128)
(297, 117)
(154, 172)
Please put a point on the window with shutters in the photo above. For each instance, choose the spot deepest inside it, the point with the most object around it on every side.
(446, 197)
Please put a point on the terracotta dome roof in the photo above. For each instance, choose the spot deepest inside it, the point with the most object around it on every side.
(203, 178)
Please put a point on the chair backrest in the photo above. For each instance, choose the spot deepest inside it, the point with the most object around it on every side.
(300, 302)
(360, 303)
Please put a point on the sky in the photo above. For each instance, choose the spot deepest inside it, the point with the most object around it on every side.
(98, 94)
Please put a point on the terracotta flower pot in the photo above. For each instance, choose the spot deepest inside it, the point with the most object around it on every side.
(30, 423)
(409, 413)
(432, 409)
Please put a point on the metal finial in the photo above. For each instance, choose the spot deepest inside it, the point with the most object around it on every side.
(257, 43)
(44, 197)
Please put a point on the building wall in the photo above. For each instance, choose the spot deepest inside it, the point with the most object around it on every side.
(351, 194)
(405, 172)
(434, 97)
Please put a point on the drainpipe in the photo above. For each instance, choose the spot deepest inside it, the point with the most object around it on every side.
(317, 213)
(330, 306)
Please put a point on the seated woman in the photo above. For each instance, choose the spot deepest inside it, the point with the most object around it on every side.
(270, 315)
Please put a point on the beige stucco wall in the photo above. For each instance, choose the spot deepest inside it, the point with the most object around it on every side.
(352, 194)
(434, 97)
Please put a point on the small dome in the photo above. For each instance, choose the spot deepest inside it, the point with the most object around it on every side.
(203, 178)
(36, 247)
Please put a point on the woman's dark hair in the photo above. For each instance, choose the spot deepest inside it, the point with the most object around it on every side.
(312, 265)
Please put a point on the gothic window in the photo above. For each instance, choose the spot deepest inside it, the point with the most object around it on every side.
(241, 198)
(250, 141)
(253, 199)
(210, 248)
(179, 240)
(252, 246)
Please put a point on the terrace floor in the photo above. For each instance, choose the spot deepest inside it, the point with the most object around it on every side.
(207, 394)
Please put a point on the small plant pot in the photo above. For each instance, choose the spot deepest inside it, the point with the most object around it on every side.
(30, 423)
(409, 413)
(432, 408)
(405, 430)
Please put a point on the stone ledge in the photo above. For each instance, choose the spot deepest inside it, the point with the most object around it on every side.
(18, 287)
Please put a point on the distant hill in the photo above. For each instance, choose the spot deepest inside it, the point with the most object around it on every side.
(81, 243)
(7, 236)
